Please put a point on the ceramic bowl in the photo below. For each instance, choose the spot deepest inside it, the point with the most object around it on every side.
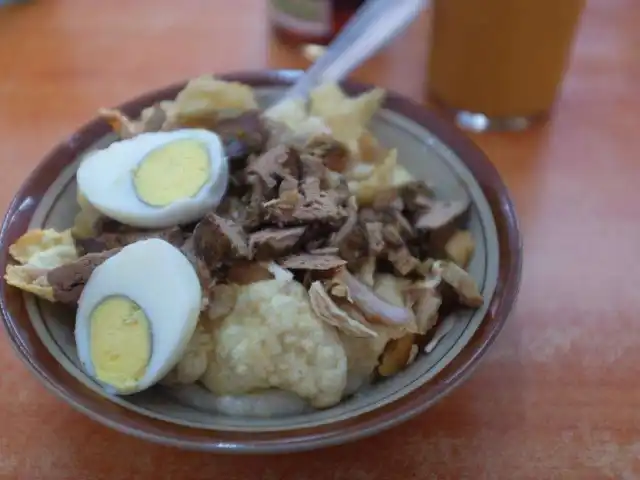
(42, 334)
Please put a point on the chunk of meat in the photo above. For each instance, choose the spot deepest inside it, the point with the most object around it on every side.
(217, 240)
(351, 238)
(321, 208)
(396, 229)
(460, 248)
(288, 199)
(296, 204)
(273, 165)
(245, 272)
(305, 261)
(127, 235)
(462, 283)
(272, 242)
(69, 280)
(268, 166)
(325, 308)
(315, 237)
(255, 201)
(241, 135)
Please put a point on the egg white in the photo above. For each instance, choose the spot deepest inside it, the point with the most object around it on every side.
(160, 279)
(104, 178)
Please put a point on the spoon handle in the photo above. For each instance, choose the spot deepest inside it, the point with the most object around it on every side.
(372, 27)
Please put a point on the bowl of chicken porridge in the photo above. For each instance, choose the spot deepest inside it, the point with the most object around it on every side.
(198, 270)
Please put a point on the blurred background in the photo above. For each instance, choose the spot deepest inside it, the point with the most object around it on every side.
(62, 59)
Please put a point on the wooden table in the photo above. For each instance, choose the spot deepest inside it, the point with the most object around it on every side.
(558, 395)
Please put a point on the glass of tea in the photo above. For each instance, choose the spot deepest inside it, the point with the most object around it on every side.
(498, 64)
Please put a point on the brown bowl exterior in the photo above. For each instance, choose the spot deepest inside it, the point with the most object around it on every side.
(35, 354)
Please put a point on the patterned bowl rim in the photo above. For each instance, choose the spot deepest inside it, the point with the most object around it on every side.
(42, 363)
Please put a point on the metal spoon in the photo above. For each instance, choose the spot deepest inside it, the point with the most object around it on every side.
(371, 28)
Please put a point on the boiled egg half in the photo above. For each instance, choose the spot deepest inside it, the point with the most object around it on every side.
(157, 179)
(136, 315)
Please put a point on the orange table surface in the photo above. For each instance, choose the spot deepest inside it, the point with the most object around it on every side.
(557, 396)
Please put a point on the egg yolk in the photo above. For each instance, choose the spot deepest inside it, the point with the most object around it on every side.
(173, 172)
(120, 342)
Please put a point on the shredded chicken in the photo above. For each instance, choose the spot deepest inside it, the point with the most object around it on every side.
(374, 308)
(327, 310)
